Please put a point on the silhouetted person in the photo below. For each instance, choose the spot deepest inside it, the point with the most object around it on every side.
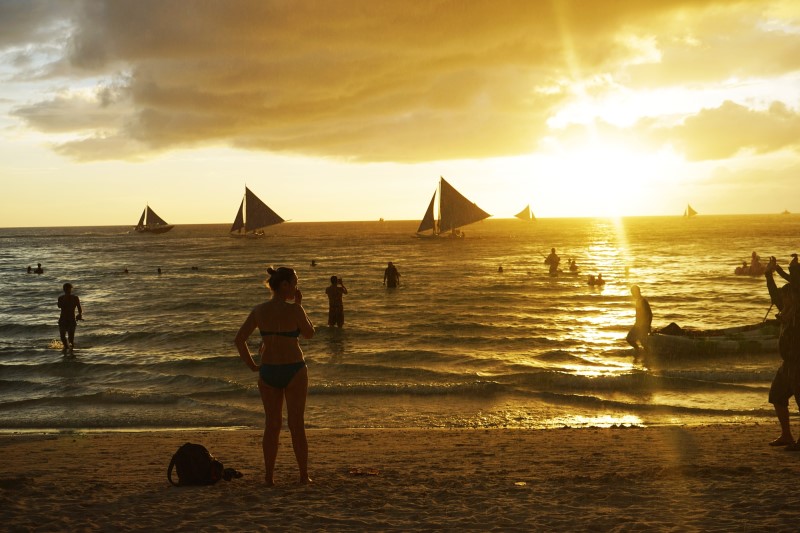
(38, 269)
(644, 319)
(67, 322)
(283, 375)
(335, 304)
(787, 379)
(29, 269)
(552, 260)
(391, 277)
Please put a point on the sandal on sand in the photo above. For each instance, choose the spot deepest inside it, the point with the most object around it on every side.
(793, 447)
(780, 441)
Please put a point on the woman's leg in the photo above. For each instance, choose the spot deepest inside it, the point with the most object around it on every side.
(272, 399)
(296, 393)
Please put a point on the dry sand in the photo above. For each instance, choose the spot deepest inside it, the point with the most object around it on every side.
(718, 478)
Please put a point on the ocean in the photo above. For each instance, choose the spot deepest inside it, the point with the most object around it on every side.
(458, 345)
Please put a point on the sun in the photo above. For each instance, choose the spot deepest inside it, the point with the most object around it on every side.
(601, 178)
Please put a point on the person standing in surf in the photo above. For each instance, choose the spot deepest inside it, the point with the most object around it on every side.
(552, 261)
(644, 319)
(391, 277)
(283, 374)
(67, 322)
(335, 304)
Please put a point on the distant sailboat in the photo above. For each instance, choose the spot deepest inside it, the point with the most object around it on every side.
(689, 212)
(526, 214)
(786, 212)
(454, 211)
(150, 222)
(253, 215)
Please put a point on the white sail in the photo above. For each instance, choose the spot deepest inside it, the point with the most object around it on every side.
(455, 211)
(526, 214)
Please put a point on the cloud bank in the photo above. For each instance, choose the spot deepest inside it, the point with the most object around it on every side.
(388, 80)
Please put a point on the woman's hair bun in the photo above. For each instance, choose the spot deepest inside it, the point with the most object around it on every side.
(271, 271)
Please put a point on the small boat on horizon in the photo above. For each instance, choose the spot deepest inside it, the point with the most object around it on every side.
(526, 214)
(150, 222)
(253, 216)
(689, 212)
(455, 211)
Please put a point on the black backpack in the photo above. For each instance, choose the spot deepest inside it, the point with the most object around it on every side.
(196, 466)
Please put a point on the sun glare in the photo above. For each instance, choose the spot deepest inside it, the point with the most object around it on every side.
(599, 179)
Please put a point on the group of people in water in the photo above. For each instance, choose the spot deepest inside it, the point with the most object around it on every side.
(553, 261)
(755, 268)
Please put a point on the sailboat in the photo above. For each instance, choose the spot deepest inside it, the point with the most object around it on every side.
(150, 222)
(253, 215)
(454, 211)
(526, 214)
(689, 212)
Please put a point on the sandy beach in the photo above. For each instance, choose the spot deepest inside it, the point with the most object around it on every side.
(710, 478)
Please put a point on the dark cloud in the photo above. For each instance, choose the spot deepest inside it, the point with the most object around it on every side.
(372, 81)
(28, 22)
(731, 128)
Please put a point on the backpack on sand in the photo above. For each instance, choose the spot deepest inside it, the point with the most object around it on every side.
(196, 466)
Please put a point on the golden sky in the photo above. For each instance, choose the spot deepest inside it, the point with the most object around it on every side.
(351, 110)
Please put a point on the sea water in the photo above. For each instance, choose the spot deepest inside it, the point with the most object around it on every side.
(457, 344)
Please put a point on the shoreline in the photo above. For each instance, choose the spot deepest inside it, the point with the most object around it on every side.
(709, 478)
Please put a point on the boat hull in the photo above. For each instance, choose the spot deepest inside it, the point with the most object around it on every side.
(754, 339)
(156, 229)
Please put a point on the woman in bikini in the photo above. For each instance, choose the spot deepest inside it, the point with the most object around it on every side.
(282, 373)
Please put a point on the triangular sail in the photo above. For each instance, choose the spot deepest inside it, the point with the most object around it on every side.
(150, 222)
(525, 214)
(238, 222)
(153, 219)
(428, 221)
(258, 214)
(456, 210)
(689, 211)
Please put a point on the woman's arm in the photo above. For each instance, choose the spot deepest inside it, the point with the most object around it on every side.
(240, 341)
(774, 295)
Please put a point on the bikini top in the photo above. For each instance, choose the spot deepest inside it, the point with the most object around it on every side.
(295, 333)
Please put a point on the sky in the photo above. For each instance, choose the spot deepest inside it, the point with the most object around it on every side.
(338, 110)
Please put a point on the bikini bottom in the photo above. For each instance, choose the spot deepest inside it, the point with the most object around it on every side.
(279, 376)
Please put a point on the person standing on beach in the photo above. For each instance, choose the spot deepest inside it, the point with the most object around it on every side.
(67, 322)
(787, 379)
(391, 277)
(335, 304)
(644, 319)
(283, 374)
